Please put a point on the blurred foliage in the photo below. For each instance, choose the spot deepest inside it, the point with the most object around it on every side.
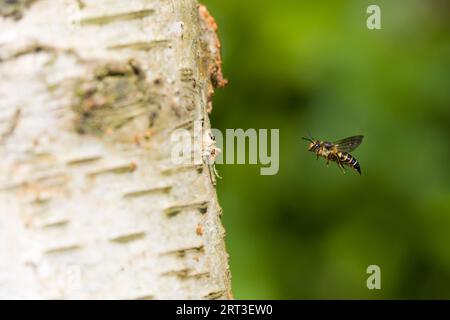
(310, 231)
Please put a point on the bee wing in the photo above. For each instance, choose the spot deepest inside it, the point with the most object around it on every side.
(349, 144)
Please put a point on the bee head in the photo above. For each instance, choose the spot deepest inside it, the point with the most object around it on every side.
(313, 145)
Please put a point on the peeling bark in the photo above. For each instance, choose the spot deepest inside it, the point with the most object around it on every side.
(91, 205)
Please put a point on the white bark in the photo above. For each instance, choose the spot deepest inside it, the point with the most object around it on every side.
(91, 205)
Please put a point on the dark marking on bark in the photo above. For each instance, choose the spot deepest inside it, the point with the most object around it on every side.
(39, 201)
(121, 169)
(189, 167)
(12, 125)
(152, 118)
(132, 15)
(145, 297)
(35, 48)
(181, 253)
(174, 210)
(123, 239)
(185, 273)
(44, 182)
(186, 74)
(214, 295)
(14, 9)
(143, 46)
(146, 192)
(63, 249)
(114, 95)
(56, 224)
(82, 161)
(81, 4)
(185, 125)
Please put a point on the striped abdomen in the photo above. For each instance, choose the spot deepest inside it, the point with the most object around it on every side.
(348, 159)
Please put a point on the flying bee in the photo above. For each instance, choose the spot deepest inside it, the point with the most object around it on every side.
(337, 151)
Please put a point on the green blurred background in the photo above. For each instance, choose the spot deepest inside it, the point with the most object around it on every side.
(310, 231)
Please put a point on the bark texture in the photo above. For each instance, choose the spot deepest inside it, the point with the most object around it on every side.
(91, 205)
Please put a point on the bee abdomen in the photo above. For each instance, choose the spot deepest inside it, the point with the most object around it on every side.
(350, 161)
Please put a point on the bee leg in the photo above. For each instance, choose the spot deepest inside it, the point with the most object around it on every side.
(216, 172)
(329, 159)
(340, 165)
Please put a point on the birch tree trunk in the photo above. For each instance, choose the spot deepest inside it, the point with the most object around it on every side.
(91, 205)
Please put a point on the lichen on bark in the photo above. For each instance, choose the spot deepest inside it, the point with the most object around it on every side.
(111, 97)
